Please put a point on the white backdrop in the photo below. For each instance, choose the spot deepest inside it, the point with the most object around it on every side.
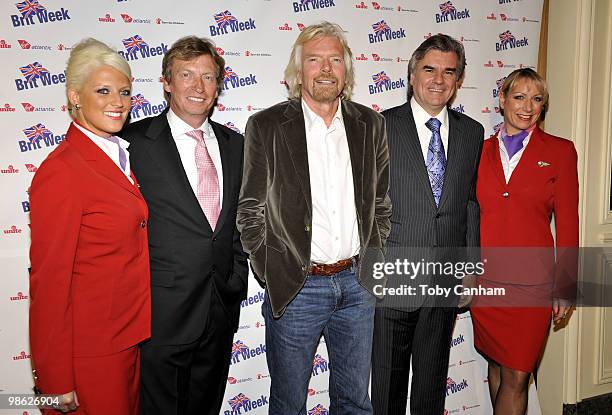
(35, 40)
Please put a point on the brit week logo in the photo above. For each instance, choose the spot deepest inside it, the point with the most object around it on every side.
(259, 297)
(382, 83)
(308, 5)
(499, 84)
(241, 352)
(449, 13)
(242, 404)
(141, 107)
(508, 41)
(36, 136)
(226, 23)
(453, 387)
(383, 32)
(35, 76)
(232, 80)
(32, 12)
(136, 48)
(319, 365)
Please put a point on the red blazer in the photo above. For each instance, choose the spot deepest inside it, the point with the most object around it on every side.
(518, 214)
(89, 282)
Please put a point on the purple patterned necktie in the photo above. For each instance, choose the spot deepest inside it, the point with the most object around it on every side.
(436, 159)
(122, 155)
(514, 143)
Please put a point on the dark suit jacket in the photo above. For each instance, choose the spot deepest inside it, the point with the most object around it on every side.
(189, 262)
(419, 229)
(89, 283)
(518, 214)
(275, 208)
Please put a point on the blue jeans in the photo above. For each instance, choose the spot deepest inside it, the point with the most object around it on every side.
(340, 309)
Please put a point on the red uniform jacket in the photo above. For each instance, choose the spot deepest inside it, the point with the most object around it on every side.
(89, 282)
(517, 215)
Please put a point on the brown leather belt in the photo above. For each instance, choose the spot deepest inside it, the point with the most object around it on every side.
(331, 269)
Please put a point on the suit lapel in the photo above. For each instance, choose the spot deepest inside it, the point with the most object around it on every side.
(355, 134)
(294, 133)
(101, 163)
(227, 170)
(494, 161)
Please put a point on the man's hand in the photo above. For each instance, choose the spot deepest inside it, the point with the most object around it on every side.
(560, 309)
(469, 281)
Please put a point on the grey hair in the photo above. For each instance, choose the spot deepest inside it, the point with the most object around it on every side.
(294, 66)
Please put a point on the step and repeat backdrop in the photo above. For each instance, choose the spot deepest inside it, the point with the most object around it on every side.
(254, 37)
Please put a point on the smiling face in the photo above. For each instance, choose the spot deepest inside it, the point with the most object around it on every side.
(434, 80)
(323, 71)
(522, 105)
(104, 101)
(192, 88)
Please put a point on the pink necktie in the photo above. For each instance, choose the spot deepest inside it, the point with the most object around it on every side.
(208, 182)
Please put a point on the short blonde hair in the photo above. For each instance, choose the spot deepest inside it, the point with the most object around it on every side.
(87, 56)
(531, 75)
(294, 67)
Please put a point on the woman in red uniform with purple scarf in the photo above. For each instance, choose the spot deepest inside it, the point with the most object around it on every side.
(525, 177)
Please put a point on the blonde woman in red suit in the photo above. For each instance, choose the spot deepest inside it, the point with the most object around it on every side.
(525, 177)
(89, 282)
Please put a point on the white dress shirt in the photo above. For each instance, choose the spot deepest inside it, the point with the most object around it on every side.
(186, 147)
(509, 164)
(335, 234)
(420, 118)
(110, 149)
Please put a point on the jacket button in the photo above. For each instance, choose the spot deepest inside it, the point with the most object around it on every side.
(143, 224)
(307, 228)
(437, 215)
(505, 194)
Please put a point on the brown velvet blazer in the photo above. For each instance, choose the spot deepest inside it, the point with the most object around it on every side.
(275, 205)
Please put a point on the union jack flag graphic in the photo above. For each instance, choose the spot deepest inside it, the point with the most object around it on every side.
(506, 37)
(36, 132)
(380, 27)
(319, 362)
(380, 78)
(318, 410)
(229, 74)
(231, 126)
(238, 401)
(134, 43)
(33, 71)
(449, 382)
(224, 18)
(238, 347)
(500, 82)
(29, 7)
(138, 101)
(446, 8)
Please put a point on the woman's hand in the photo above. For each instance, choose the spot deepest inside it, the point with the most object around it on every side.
(67, 402)
(560, 309)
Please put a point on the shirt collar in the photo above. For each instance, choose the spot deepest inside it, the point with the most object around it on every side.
(180, 127)
(421, 116)
(124, 144)
(311, 118)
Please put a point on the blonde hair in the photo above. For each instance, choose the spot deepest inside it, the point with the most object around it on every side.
(294, 67)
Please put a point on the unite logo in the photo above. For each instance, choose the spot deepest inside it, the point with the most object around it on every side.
(308, 5)
(231, 79)
(448, 12)
(241, 404)
(141, 107)
(383, 32)
(452, 387)
(285, 27)
(242, 351)
(29, 9)
(136, 48)
(10, 170)
(36, 135)
(4, 45)
(361, 57)
(382, 83)
(22, 356)
(226, 23)
(507, 40)
(361, 5)
(319, 364)
(19, 297)
(499, 83)
(106, 19)
(318, 410)
(35, 72)
(7, 108)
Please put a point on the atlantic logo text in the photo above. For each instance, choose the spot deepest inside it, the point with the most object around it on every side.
(508, 41)
(383, 32)
(383, 83)
(452, 387)
(241, 404)
(231, 79)
(141, 107)
(307, 5)
(226, 23)
(241, 352)
(448, 12)
(36, 76)
(136, 48)
(37, 135)
(32, 12)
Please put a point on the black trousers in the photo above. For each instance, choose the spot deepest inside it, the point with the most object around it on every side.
(425, 335)
(188, 379)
